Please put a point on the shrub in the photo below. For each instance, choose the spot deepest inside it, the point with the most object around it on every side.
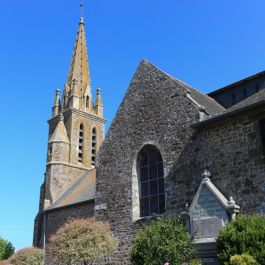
(82, 240)
(243, 235)
(243, 259)
(4, 262)
(28, 256)
(6, 249)
(165, 239)
(195, 262)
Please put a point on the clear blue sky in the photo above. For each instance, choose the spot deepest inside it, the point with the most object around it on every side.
(206, 43)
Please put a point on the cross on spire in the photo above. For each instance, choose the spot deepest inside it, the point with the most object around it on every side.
(82, 8)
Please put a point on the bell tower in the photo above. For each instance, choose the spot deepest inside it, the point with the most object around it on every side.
(76, 128)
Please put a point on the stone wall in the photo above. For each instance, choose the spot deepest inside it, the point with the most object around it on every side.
(59, 177)
(233, 152)
(156, 111)
(72, 123)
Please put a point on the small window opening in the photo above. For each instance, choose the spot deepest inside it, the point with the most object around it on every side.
(245, 95)
(94, 145)
(87, 102)
(233, 98)
(262, 134)
(50, 150)
(80, 145)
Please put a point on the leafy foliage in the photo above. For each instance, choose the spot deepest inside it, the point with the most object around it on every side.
(195, 262)
(243, 259)
(6, 249)
(244, 235)
(28, 256)
(165, 239)
(82, 240)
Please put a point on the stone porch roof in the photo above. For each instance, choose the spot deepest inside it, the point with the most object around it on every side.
(83, 189)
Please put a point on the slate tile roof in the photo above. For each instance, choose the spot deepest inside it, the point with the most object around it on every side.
(210, 105)
(255, 100)
(83, 189)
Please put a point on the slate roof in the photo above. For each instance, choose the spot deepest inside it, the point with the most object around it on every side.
(83, 189)
(255, 100)
(209, 104)
(236, 83)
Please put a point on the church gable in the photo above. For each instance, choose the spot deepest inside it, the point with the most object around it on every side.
(155, 103)
(157, 113)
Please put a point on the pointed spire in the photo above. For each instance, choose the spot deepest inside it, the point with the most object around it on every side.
(60, 133)
(99, 104)
(56, 103)
(99, 99)
(79, 68)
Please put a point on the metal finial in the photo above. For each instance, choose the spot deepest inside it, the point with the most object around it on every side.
(82, 8)
(206, 173)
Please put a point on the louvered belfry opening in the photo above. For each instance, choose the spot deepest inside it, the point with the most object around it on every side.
(94, 145)
(80, 145)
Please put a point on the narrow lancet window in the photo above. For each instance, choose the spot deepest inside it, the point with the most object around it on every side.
(152, 196)
(80, 144)
(94, 145)
(87, 102)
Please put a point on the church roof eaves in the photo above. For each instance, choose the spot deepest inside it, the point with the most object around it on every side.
(256, 100)
(236, 83)
(211, 106)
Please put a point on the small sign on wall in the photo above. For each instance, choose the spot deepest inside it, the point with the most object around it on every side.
(209, 212)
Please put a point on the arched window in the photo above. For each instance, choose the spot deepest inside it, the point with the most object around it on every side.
(94, 145)
(151, 181)
(80, 144)
(87, 102)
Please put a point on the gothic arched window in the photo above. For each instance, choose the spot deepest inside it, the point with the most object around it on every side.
(87, 102)
(151, 181)
(94, 145)
(80, 144)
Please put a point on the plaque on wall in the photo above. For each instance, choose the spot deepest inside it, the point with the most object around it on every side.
(208, 215)
(209, 211)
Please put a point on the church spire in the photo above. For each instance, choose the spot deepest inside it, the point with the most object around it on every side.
(78, 80)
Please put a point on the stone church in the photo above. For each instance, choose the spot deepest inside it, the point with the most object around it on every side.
(170, 149)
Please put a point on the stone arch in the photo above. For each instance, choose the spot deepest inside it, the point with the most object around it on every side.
(137, 184)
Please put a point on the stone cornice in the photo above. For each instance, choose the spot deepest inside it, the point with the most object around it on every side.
(66, 164)
(80, 113)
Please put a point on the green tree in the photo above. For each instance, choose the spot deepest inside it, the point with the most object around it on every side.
(82, 241)
(28, 256)
(165, 239)
(246, 234)
(6, 249)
